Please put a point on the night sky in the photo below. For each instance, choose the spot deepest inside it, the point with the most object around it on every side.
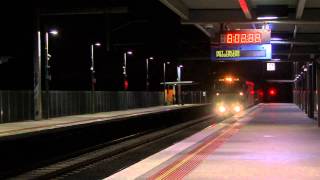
(149, 29)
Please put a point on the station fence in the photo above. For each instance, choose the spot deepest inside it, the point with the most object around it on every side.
(18, 105)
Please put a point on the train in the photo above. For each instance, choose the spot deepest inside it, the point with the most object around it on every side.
(232, 95)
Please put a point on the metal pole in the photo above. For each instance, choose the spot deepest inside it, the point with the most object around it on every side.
(164, 82)
(125, 65)
(92, 79)
(179, 85)
(124, 68)
(37, 89)
(92, 69)
(147, 75)
(318, 91)
(47, 75)
(306, 97)
(311, 91)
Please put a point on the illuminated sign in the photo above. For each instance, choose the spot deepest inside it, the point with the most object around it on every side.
(247, 36)
(227, 53)
(271, 66)
(241, 52)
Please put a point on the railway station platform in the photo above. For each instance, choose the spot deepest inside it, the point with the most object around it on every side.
(268, 141)
(8, 130)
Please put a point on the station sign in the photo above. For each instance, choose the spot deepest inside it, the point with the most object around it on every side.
(241, 52)
(271, 66)
(246, 36)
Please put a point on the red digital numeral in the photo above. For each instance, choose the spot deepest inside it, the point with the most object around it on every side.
(250, 38)
(236, 38)
(243, 38)
(257, 38)
(229, 38)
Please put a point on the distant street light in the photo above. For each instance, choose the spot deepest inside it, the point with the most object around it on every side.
(125, 68)
(147, 72)
(93, 79)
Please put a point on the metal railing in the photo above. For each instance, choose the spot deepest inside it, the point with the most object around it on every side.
(18, 105)
(194, 97)
(84, 102)
(15, 106)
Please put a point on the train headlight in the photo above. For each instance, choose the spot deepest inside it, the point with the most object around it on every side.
(237, 108)
(222, 109)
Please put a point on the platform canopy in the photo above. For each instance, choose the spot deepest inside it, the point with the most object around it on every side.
(295, 37)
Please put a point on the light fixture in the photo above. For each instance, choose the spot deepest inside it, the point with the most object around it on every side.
(266, 26)
(54, 32)
(97, 44)
(222, 109)
(228, 79)
(151, 58)
(267, 17)
(271, 12)
(271, 66)
(276, 39)
(237, 108)
(129, 52)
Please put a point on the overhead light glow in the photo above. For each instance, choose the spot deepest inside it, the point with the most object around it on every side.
(97, 44)
(129, 52)
(54, 32)
(266, 26)
(237, 109)
(267, 18)
(276, 39)
(272, 92)
(229, 79)
(222, 109)
(271, 66)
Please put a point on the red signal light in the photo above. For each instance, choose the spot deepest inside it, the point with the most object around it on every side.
(260, 93)
(126, 84)
(272, 92)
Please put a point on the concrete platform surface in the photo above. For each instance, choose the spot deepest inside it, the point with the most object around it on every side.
(18, 128)
(270, 141)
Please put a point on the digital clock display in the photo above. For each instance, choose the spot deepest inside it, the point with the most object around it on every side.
(249, 36)
(243, 38)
